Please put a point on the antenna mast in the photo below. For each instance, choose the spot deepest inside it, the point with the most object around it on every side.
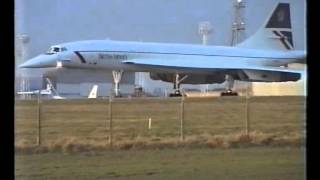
(238, 25)
(205, 29)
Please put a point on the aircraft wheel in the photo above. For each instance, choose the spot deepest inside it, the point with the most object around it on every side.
(175, 94)
(229, 93)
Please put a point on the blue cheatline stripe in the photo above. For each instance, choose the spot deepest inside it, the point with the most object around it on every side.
(80, 56)
(147, 52)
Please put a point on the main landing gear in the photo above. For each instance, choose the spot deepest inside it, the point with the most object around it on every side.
(117, 75)
(176, 86)
(230, 83)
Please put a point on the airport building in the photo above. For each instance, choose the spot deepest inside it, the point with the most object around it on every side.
(41, 24)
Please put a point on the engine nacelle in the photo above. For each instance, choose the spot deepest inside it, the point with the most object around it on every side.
(268, 76)
(191, 79)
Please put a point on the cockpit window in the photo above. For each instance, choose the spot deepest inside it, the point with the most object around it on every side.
(55, 49)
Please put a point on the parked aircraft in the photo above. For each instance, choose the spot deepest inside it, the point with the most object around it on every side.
(46, 91)
(260, 58)
(49, 91)
(53, 93)
(93, 92)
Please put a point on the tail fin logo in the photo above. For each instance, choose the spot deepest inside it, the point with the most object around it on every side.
(275, 33)
(285, 38)
(280, 17)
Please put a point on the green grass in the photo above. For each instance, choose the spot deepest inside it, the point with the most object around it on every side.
(79, 129)
(200, 163)
(202, 116)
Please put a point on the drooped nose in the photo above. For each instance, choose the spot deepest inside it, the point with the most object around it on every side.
(41, 61)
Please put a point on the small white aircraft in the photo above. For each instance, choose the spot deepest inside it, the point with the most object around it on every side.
(46, 91)
(260, 58)
(93, 93)
(51, 91)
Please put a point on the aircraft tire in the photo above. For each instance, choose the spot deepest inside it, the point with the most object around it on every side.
(229, 94)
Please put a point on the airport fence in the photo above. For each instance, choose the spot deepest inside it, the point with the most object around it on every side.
(156, 119)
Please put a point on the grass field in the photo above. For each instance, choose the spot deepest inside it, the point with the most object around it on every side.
(261, 163)
(89, 119)
(75, 134)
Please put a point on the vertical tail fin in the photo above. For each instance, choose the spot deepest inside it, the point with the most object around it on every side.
(275, 34)
(93, 93)
(53, 90)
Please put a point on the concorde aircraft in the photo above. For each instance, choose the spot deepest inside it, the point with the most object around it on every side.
(260, 58)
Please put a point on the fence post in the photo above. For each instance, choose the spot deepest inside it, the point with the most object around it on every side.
(149, 123)
(247, 111)
(110, 120)
(39, 119)
(182, 119)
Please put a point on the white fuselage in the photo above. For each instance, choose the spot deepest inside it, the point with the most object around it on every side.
(106, 54)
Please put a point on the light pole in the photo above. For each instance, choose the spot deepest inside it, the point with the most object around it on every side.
(205, 28)
(21, 51)
(238, 26)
